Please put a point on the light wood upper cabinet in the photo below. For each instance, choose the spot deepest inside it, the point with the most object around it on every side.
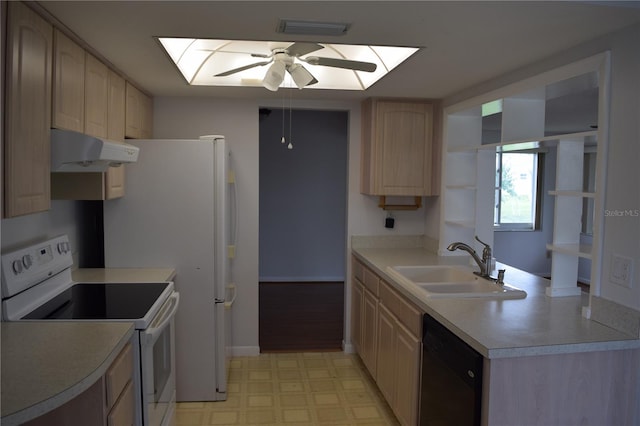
(115, 107)
(139, 114)
(115, 176)
(27, 158)
(69, 83)
(400, 147)
(104, 117)
(96, 92)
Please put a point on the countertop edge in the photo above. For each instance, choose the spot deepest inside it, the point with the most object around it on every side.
(59, 399)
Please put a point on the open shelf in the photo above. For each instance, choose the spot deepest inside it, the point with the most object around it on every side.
(527, 144)
(566, 193)
(580, 250)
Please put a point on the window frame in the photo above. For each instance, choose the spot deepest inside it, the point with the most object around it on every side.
(537, 193)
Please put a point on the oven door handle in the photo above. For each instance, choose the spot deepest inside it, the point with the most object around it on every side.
(167, 312)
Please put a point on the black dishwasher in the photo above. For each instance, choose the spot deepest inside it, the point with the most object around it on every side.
(451, 385)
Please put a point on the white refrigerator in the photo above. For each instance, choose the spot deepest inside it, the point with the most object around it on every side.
(178, 212)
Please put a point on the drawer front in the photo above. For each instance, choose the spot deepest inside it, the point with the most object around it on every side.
(358, 269)
(122, 413)
(371, 281)
(119, 374)
(405, 311)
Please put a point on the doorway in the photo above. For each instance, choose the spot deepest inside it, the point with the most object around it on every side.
(302, 219)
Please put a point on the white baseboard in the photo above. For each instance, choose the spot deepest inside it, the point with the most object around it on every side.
(348, 348)
(301, 279)
(586, 280)
(244, 351)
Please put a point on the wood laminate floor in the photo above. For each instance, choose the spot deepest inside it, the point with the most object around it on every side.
(316, 388)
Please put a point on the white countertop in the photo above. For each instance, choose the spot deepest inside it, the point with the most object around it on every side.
(45, 364)
(536, 325)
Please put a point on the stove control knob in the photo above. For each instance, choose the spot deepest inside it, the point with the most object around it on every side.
(17, 266)
(27, 261)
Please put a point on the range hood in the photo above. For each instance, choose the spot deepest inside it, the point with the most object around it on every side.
(77, 152)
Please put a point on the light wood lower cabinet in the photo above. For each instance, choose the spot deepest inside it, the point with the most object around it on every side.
(387, 334)
(369, 332)
(399, 348)
(109, 402)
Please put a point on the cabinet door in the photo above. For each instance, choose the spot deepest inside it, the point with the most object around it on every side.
(146, 116)
(123, 412)
(27, 158)
(404, 132)
(369, 335)
(133, 120)
(408, 350)
(115, 176)
(357, 296)
(115, 107)
(96, 92)
(386, 365)
(68, 87)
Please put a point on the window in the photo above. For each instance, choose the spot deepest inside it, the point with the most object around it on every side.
(517, 192)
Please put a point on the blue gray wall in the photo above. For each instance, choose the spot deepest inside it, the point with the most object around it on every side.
(303, 195)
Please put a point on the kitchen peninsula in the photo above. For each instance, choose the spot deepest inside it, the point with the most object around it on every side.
(543, 362)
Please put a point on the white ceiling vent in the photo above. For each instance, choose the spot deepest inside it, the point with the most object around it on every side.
(287, 26)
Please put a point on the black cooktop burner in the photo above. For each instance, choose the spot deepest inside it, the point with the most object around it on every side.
(106, 301)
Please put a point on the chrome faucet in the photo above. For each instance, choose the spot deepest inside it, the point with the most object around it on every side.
(484, 264)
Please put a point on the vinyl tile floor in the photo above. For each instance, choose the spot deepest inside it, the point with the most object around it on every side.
(316, 388)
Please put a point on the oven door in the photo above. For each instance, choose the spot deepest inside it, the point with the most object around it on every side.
(157, 353)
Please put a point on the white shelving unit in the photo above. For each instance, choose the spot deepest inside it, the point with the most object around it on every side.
(468, 184)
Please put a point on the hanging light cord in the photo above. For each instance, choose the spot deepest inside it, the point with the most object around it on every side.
(290, 146)
(282, 140)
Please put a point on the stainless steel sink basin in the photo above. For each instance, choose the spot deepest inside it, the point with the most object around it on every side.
(453, 281)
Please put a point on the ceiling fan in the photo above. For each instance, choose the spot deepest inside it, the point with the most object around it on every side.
(283, 60)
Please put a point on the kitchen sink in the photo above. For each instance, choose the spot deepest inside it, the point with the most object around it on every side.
(453, 281)
(436, 274)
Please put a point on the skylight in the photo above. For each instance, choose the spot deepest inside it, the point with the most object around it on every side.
(200, 60)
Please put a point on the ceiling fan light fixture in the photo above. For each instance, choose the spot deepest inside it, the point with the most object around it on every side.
(287, 26)
(300, 75)
(275, 76)
(213, 62)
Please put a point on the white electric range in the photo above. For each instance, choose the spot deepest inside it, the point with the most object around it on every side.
(37, 286)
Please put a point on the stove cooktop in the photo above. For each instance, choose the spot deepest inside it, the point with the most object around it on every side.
(100, 301)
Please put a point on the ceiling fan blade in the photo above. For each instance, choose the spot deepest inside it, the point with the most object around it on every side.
(301, 48)
(246, 67)
(341, 63)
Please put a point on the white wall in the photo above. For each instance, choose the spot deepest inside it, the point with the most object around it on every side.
(238, 121)
(621, 234)
(65, 217)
